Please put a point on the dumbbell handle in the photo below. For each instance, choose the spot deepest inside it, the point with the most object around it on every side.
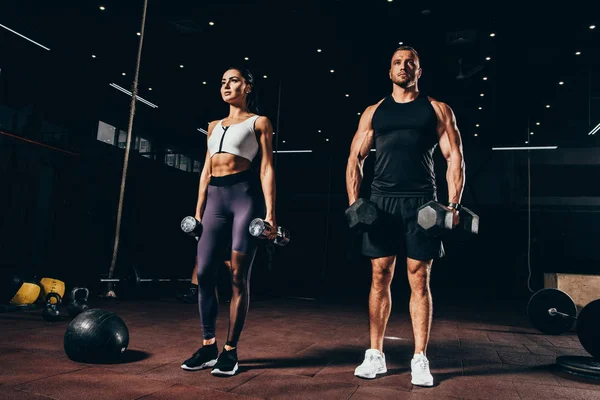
(553, 312)
(260, 228)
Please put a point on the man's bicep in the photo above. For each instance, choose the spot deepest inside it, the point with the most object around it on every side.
(363, 138)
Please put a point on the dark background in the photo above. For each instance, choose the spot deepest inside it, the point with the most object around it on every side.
(59, 185)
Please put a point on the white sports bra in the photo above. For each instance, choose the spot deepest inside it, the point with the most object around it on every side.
(238, 139)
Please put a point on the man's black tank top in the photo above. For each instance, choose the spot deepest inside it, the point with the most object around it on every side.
(405, 139)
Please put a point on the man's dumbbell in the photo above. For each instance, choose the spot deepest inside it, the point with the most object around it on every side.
(362, 215)
(192, 227)
(261, 229)
(436, 219)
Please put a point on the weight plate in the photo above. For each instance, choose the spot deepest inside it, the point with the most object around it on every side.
(588, 328)
(545, 299)
(586, 367)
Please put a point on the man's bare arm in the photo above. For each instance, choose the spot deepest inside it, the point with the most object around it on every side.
(359, 151)
(452, 150)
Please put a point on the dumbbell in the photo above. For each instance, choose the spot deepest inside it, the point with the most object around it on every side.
(261, 229)
(436, 219)
(192, 227)
(362, 215)
(50, 312)
(78, 301)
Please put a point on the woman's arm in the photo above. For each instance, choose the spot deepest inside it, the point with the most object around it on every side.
(267, 174)
(204, 178)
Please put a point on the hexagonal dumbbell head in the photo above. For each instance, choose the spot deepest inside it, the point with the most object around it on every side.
(362, 215)
(469, 221)
(434, 218)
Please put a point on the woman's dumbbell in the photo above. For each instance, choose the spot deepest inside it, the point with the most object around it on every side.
(261, 229)
(192, 227)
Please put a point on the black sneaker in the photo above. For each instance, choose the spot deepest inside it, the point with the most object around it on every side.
(227, 364)
(205, 357)
(189, 296)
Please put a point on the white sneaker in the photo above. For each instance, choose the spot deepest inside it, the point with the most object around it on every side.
(373, 364)
(420, 371)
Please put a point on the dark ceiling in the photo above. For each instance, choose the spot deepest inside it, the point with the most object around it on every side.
(534, 48)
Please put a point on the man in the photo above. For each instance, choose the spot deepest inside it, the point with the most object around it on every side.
(405, 127)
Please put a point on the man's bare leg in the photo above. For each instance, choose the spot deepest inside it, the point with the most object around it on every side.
(380, 306)
(421, 304)
(380, 299)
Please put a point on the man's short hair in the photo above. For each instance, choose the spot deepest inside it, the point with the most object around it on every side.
(409, 48)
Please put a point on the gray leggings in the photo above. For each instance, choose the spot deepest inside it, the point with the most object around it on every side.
(232, 202)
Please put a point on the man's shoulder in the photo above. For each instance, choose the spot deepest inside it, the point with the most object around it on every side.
(371, 108)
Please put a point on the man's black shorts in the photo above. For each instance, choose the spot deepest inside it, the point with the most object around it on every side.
(399, 234)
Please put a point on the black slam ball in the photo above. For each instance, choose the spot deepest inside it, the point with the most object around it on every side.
(96, 336)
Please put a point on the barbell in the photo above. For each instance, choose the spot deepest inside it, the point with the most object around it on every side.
(552, 311)
(132, 281)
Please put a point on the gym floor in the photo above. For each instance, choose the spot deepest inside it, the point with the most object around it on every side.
(293, 349)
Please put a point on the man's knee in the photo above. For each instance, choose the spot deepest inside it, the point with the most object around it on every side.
(418, 275)
(383, 271)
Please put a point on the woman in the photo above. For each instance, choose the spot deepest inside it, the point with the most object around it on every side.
(228, 199)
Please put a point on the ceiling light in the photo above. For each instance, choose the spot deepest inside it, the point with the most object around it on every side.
(527, 142)
(475, 134)
(211, 23)
(149, 88)
(593, 131)
(332, 71)
(327, 140)
(123, 73)
(283, 141)
(357, 113)
(400, 43)
(319, 50)
(24, 37)
(531, 133)
(93, 56)
(292, 151)
(577, 53)
(180, 65)
(347, 95)
(246, 58)
(592, 26)
(102, 8)
(492, 34)
(204, 83)
(561, 83)
(389, 1)
(526, 148)
(139, 34)
(485, 78)
(264, 76)
(319, 131)
(547, 105)
(481, 94)
(481, 108)
(537, 123)
(477, 125)
(488, 58)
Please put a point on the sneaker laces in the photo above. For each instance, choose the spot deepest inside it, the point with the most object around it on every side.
(423, 363)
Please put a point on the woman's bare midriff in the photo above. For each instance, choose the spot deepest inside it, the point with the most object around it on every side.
(226, 164)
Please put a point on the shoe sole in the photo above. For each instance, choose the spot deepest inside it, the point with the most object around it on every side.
(373, 376)
(427, 384)
(207, 364)
(225, 373)
(421, 383)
